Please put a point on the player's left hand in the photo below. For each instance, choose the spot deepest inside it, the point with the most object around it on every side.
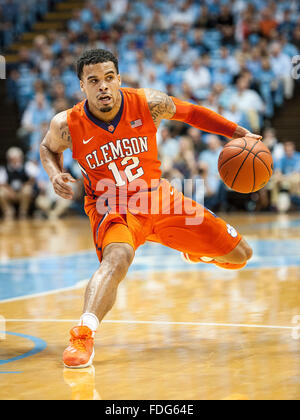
(242, 132)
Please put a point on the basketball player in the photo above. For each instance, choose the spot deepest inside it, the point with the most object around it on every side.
(113, 137)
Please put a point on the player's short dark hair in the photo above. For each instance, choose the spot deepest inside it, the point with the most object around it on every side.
(93, 57)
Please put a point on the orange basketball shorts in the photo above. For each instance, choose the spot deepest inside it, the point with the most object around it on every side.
(167, 217)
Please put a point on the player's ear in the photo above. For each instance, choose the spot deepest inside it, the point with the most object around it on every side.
(82, 86)
(119, 79)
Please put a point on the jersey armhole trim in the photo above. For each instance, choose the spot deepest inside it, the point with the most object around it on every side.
(142, 93)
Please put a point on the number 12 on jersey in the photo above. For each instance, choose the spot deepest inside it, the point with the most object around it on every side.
(128, 170)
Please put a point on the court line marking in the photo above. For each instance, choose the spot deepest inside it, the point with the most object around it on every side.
(39, 346)
(187, 323)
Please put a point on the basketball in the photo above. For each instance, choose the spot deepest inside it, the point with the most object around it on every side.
(245, 165)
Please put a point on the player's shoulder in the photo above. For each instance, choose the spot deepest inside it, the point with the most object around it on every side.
(130, 90)
(136, 97)
(156, 96)
(161, 105)
(60, 118)
(147, 94)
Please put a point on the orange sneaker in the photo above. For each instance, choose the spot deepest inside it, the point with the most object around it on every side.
(80, 353)
(195, 260)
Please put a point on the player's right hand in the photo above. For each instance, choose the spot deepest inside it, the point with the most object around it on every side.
(61, 187)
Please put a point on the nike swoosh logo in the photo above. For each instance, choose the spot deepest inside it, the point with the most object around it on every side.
(172, 192)
(87, 141)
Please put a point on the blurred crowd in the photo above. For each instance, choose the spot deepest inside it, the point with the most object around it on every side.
(17, 17)
(232, 56)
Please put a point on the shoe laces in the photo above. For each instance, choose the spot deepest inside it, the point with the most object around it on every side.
(79, 335)
(79, 343)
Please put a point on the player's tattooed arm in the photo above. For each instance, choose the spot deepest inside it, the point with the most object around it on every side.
(64, 134)
(58, 137)
(160, 105)
(57, 140)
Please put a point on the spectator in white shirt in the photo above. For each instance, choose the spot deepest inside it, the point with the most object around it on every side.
(281, 65)
(197, 77)
(271, 141)
(208, 164)
(248, 101)
(182, 53)
(182, 16)
(229, 61)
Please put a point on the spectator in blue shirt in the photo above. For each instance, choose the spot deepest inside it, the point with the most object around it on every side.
(75, 24)
(285, 183)
(171, 75)
(290, 162)
(222, 75)
(287, 26)
(10, 11)
(37, 112)
(268, 87)
(254, 62)
(208, 164)
(71, 82)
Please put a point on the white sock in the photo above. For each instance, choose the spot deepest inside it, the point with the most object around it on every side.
(89, 320)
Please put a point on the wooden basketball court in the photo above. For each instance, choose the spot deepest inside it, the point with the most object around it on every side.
(177, 331)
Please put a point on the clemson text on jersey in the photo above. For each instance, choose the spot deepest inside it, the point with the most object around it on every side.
(120, 149)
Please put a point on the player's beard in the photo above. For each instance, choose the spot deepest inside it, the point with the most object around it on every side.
(106, 109)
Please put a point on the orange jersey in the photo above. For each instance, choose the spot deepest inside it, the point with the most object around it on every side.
(123, 152)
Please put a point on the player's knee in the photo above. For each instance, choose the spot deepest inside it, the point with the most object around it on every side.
(241, 254)
(249, 252)
(119, 256)
(125, 255)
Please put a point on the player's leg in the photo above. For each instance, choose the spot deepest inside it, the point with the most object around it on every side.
(200, 235)
(101, 292)
(234, 260)
(239, 255)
